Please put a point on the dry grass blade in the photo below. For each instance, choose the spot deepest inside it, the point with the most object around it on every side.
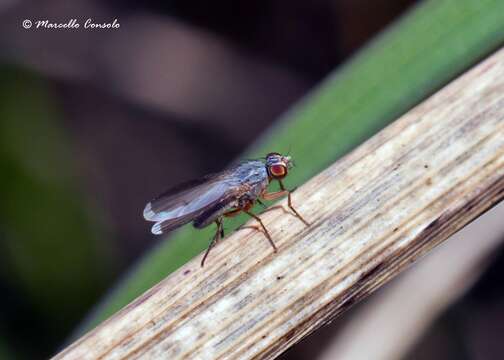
(394, 321)
(372, 213)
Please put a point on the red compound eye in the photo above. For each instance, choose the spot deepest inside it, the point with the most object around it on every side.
(278, 170)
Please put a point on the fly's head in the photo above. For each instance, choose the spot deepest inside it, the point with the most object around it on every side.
(278, 165)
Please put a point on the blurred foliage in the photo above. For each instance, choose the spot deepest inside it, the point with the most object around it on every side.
(50, 253)
(4, 351)
(420, 53)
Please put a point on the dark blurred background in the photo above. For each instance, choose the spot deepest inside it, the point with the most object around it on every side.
(95, 123)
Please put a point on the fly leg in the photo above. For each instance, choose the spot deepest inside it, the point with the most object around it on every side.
(274, 207)
(278, 194)
(219, 234)
(264, 228)
(289, 202)
(272, 196)
(261, 203)
(233, 213)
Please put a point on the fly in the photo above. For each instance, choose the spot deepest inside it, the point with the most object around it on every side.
(209, 199)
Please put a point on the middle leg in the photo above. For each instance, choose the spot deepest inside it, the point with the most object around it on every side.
(266, 232)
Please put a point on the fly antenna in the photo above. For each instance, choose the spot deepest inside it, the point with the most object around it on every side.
(288, 155)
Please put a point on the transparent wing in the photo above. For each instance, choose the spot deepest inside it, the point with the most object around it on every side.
(183, 203)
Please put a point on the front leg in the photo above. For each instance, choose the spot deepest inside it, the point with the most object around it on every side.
(289, 202)
(274, 195)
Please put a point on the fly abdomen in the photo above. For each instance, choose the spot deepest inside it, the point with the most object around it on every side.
(212, 214)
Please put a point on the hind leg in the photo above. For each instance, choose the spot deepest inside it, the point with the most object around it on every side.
(219, 234)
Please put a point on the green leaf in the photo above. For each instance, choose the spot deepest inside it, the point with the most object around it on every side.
(42, 214)
(420, 53)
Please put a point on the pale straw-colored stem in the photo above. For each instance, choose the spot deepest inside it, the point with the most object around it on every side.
(388, 325)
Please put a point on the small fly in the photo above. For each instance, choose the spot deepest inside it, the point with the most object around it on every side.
(225, 194)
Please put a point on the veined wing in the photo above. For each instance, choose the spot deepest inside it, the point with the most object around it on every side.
(181, 204)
